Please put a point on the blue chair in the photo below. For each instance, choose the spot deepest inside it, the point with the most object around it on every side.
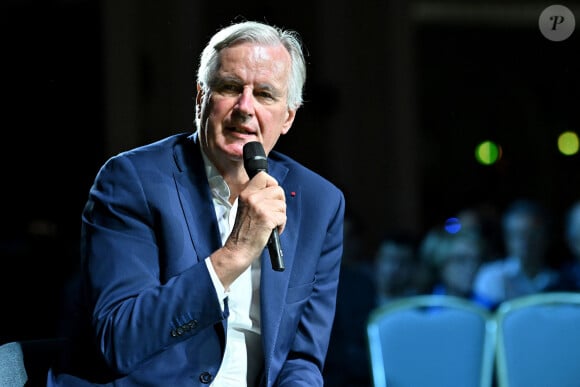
(539, 341)
(26, 362)
(12, 369)
(431, 341)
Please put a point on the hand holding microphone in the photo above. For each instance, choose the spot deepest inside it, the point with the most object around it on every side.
(255, 161)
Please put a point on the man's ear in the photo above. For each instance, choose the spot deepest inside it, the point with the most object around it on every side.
(199, 94)
(290, 115)
(198, 100)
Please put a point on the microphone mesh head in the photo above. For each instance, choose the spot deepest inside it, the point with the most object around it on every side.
(255, 158)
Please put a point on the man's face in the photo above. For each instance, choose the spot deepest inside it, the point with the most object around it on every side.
(461, 264)
(247, 102)
(525, 237)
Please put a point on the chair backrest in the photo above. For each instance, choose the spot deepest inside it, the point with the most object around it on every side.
(431, 341)
(539, 341)
(12, 369)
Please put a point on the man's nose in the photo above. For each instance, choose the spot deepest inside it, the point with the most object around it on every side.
(246, 102)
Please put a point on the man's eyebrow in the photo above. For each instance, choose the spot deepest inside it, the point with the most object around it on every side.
(225, 79)
(270, 88)
(265, 86)
(230, 78)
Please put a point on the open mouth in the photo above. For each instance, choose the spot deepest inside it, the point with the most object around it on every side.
(241, 130)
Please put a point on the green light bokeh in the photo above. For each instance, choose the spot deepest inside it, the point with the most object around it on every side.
(568, 143)
(487, 153)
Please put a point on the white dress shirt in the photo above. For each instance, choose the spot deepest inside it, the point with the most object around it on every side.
(243, 356)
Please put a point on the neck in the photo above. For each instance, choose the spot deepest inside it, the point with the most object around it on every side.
(232, 172)
(235, 189)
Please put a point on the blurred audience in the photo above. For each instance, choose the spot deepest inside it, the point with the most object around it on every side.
(484, 219)
(488, 258)
(396, 268)
(570, 270)
(525, 267)
(369, 278)
(455, 258)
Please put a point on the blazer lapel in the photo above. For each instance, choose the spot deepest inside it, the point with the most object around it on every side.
(274, 284)
(195, 197)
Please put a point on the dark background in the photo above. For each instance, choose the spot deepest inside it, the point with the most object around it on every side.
(398, 95)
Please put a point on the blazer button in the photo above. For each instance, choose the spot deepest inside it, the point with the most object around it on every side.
(205, 378)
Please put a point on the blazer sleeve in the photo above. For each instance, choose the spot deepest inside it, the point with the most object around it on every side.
(138, 310)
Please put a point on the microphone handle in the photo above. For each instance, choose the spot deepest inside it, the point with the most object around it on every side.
(275, 250)
(274, 245)
(255, 161)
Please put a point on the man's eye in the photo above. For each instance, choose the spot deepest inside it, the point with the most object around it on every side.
(228, 88)
(264, 94)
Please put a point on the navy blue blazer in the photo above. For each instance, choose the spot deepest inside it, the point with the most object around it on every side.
(151, 313)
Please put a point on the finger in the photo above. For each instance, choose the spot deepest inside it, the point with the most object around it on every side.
(262, 180)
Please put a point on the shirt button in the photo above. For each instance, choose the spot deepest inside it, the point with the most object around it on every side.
(205, 377)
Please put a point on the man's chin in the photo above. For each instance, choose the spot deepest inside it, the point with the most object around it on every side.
(234, 150)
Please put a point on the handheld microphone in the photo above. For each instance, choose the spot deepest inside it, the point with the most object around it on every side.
(255, 161)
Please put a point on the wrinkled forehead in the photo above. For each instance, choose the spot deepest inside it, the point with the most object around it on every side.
(255, 63)
(272, 55)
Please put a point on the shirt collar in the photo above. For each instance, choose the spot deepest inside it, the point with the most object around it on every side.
(217, 184)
